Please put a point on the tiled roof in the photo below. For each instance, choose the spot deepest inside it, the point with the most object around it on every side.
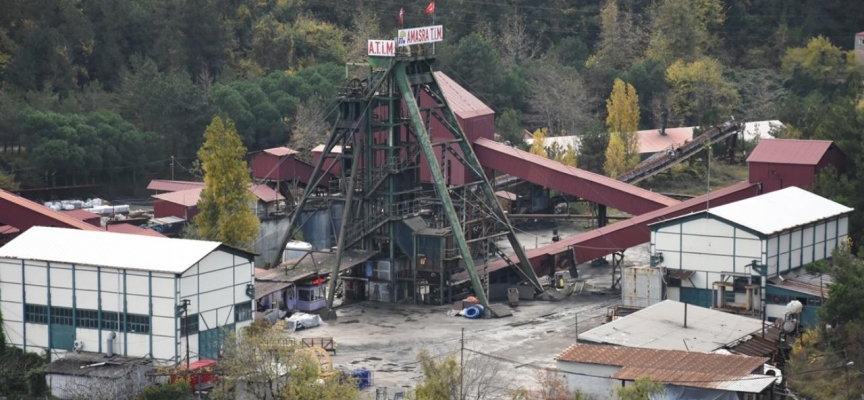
(790, 151)
(813, 285)
(682, 368)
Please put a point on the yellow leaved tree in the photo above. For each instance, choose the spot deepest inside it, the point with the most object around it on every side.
(538, 147)
(224, 212)
(615, 158)
(623, 120)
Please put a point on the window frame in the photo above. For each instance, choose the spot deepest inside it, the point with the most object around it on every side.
(243, 311)
(192, 327)
(35, 313)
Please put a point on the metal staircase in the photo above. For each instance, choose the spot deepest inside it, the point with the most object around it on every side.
(674, 155)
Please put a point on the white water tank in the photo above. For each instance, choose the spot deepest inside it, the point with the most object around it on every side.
(794, 307)
(296, 249)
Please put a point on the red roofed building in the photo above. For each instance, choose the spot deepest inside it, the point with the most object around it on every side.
(184, 203)
(780, 163)
(86, 216)
(280, 164)
(24, 214)
(162, 185)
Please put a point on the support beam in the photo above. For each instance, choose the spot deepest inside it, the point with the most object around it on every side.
(438, 179)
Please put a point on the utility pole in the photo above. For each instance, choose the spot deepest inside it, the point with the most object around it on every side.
(172, 168)
(462, 364)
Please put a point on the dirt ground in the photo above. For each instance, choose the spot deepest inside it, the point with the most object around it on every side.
(386, 338)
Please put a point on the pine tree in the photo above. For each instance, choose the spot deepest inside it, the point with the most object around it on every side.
(615, 158)
(538, 147)
(623, 119)
(225, 215)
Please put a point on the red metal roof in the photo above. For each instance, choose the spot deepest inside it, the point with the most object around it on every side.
(651, 141)
(706, 370)
(173, 186)
(280, 151)
(462, 102)
(188, 197)
(132, 230)
(790, 151)
(82, 215)
(265, 193)
(24, 214)
(577, 182)
(8, 230)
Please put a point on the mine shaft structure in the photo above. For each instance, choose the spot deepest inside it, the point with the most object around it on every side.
(383, 128)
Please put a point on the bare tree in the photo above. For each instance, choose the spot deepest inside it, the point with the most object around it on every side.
(514, 44)
(94, 388)
(557, 99)
(365, 26)
(308, 130)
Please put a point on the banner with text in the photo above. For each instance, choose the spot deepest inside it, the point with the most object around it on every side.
(426, 34)
(382, 48)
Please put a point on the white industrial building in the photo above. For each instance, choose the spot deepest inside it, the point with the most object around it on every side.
(724, 257)
(64, 289)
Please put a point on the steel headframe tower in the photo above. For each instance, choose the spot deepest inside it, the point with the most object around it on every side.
(380, 159)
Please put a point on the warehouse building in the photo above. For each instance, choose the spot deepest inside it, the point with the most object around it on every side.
(138, 296)
(725, 257)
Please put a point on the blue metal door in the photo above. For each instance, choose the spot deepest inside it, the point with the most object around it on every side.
(62, 336)
(210, 341)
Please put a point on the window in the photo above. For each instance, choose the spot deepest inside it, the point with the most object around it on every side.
(36, 314)
(243, 311)
(110, 321)
(87, 319)
(136, 323)
(310, 293)
(189, 325)
(61, 316)
(729, 297)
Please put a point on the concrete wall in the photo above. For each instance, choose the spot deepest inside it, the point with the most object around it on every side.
(589, 379)
(269, 237)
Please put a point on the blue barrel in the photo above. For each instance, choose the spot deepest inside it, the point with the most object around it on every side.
(363, 377)
(474, 312)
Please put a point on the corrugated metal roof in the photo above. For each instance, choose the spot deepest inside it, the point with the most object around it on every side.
(280, 151)
(813, 285)
(82, 215)
(173, 186)
(506, 195)
(661, 326)
(265, 193)
(108, 249)
(19, 201)
(790, 151)
(761, 129)
(651, 141)
(566, 179)
(264, 288)
(462, 102)
(187, 198)
(8, 230)
(682, 368)
(754, 345)
(132, 230)
(320, 149)
(680, 273)
(780, 210)
(313, 265)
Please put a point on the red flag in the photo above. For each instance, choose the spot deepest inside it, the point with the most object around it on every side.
(401, 14)
(430, 9)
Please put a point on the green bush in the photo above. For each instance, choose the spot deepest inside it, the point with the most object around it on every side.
(176, 391)
(36, 384)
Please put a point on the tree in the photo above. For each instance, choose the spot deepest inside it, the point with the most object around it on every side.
(477, 66)
(568, 158)
(509, 127)
(819, 66)
(643, 388)
(557, 99)
(480, 377)
(551, 386)
(538, 146)
(263, 362)
(515, 45)
(620, 41)
(700, 93)
(592, 148)
(616, 161)
(309, 130)
(225, 215)
(364, 26)
(623, 119)
(682, 29)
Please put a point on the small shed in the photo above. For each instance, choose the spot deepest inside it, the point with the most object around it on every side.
(180, 204)
(85, 216)
(597, 371)
(95, 376)
(318, 153)
(506, 200)
(280, 164)
(781, 163)
(733, 249)
(811, 290)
